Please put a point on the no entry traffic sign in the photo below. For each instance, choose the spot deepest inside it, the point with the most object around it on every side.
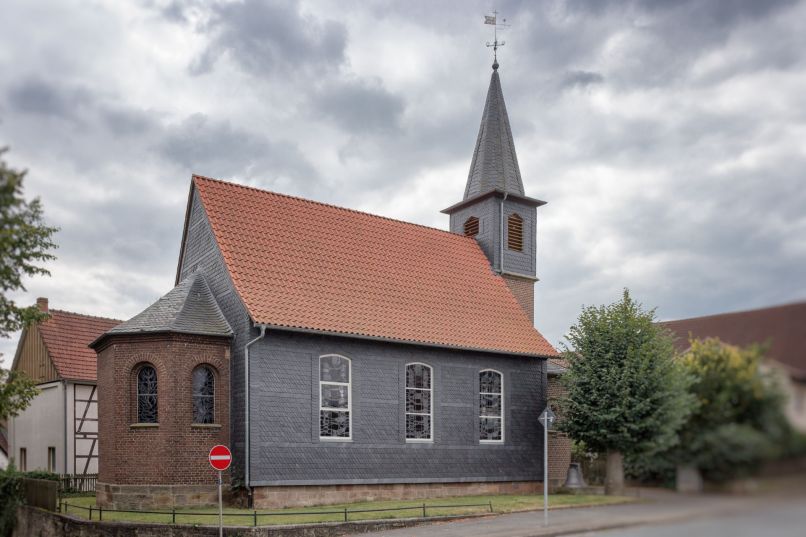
(220, 457)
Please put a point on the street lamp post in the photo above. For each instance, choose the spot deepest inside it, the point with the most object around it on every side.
(546, 419)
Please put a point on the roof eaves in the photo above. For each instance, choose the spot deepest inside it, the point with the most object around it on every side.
(396, 340)
(495, 192)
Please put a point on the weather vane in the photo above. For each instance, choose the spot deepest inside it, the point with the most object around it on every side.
(493, 20)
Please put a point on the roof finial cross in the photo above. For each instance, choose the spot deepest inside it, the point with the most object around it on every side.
(493, 20)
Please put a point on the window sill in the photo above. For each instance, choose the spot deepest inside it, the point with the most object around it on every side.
(144, 426)
(491, 442)
(205, 425)
(334, 439)
(419, 441)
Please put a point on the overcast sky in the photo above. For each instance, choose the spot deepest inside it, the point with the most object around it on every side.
(669, 137)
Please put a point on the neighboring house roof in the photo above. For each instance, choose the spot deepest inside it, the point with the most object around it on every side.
(66, 336)
(495, 163)
(557, 366)
(305, 265)
(189, 308)
(783, 327)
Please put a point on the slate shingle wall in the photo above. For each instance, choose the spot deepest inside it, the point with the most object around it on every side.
(489, 237)
(202, 253)
(286, 448)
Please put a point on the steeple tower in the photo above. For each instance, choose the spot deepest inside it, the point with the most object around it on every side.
(495, 164)
(495, 209)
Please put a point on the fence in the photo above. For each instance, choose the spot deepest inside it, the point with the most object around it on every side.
(77, 483)
(42, 493)
(252, 518)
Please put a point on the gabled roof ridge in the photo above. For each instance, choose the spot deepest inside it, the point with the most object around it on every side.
(329, 205)
(801, 303)
(55, 310)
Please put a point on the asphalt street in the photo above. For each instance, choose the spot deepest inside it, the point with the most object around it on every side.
(659, 514)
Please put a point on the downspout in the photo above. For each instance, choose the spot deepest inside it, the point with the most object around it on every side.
(64, 386)
(501, 262)
(246, 411)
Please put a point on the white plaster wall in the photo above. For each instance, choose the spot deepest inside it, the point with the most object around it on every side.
(38, 427)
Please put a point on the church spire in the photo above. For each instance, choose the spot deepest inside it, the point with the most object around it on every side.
(495, 164)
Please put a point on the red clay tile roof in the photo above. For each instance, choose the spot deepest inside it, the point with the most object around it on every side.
(784, 327)
(302, 264)
(67, 336)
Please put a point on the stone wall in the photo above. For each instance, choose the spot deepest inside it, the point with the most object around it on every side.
(303, 496)
(144, 497)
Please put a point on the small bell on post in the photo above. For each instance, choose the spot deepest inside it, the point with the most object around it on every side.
(574, 479)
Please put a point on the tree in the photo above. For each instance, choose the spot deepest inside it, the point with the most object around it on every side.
(739, 419)
(25, 244)
(625, 393)
(16, 393)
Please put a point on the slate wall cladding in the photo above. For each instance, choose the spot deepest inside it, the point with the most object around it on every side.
(489, 237)
(286, 449)
(201, 252)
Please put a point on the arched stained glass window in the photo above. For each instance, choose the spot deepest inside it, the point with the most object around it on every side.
(491, 406)
(203, 395)
(419, 402)
(335, 396)
(147, 394)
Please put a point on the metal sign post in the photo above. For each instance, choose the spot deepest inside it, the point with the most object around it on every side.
(546, 419)
(220, 458)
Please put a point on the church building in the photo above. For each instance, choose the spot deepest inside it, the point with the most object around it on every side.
(341, 355)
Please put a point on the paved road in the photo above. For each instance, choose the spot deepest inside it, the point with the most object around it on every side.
(785, 519)
(701, 515)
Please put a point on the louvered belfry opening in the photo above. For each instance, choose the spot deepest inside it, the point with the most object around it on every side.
(472, 227)
(515, 232)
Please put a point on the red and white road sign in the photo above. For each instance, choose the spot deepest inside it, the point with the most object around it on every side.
(220, 457)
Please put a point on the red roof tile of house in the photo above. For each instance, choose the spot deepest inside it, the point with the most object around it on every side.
(67, 336)
(783, 327)
(301, 264)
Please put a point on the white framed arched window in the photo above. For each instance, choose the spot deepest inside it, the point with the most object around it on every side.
(419, 402)
(335, 398)
(491, 406)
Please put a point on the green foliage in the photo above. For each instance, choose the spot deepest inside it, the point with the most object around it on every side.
(25, 244)
(41, 474)
(10, 498)
(739, 419)
(16, 393)
(624, 390)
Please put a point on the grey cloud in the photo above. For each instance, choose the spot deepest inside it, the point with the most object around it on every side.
(359, 106)
(38, 96)
(268, 38)
(581, 79)
(216, 148)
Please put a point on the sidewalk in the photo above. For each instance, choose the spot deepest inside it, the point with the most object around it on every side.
(658, 508)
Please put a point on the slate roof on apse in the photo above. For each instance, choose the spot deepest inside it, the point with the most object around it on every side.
(188, 308)
(301, 264)
(783, 327)
(67, 335)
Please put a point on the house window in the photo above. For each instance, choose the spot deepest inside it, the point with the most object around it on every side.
(335, 398)
(491, 406)
(51, 459)
(147, 395)
(515, 232)
(23, 460)
(419, 403)
(472, 226)
(203, 395)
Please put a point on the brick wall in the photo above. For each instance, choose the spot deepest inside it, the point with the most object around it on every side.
(174, 451)
(559, 443)
(524, 291)
(290, 496)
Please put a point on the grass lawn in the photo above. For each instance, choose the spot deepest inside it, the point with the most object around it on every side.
(302, 515)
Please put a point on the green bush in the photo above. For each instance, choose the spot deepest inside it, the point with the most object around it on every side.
(10, 498)
(41, 474)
